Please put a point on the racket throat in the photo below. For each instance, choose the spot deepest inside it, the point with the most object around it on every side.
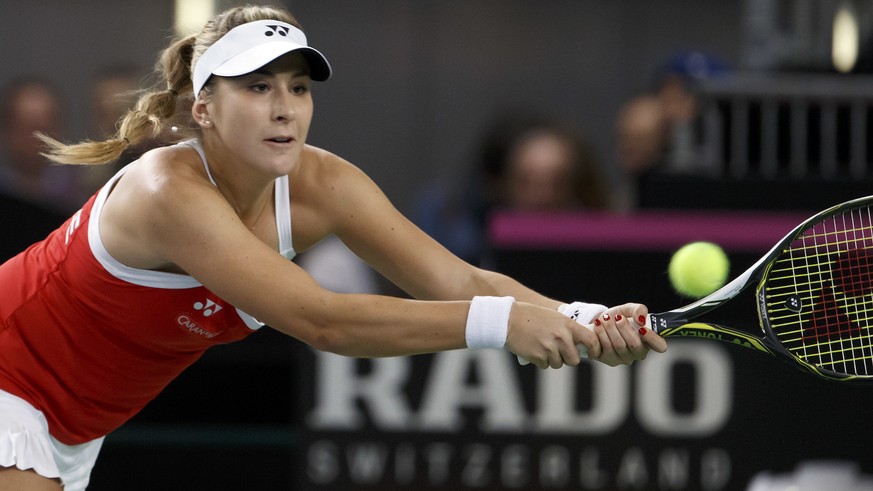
(677, 328)
(664, 323)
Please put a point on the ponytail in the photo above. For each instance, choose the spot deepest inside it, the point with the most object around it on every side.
(148, 120)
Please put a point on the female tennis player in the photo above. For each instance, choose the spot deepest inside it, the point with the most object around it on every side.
(188, 247)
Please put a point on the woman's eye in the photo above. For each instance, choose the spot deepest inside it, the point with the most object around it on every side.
(260, 87)
(299, 89)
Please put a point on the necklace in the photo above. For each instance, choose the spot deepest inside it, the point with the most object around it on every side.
(260, 214)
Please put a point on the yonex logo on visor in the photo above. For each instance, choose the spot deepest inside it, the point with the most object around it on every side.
(283, 31)
(247, 47)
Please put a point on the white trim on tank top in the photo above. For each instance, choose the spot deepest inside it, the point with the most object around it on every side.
(171, 281)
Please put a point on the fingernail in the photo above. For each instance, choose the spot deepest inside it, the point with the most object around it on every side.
(618, 317)
(606, 317)
(596, 322)
(643, 331)
(642, 319)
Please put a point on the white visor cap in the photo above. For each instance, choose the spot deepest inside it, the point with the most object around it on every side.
(249, 46)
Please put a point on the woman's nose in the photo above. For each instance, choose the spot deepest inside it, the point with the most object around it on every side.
(283, 106)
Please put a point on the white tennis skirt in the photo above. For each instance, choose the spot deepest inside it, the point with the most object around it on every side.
(25, 443)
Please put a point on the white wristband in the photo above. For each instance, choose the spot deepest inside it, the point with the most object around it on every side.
(488, 322)
(582, 312)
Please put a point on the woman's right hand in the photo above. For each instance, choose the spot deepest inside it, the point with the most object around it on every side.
(548, 338)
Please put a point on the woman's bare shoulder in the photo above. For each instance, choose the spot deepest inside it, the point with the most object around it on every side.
(327, 169)
(165, 185)
(166, 165)
(323, 160)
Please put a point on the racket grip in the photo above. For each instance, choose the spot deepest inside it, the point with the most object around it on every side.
(583, 351)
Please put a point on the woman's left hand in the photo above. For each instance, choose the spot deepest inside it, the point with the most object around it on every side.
(623, 336)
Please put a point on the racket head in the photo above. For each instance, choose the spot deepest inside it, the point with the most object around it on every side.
(815, 294)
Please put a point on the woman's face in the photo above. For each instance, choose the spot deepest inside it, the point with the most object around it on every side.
(261, 118)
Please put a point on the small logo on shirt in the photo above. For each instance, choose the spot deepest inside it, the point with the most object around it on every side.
(208, 308)
(187, 322)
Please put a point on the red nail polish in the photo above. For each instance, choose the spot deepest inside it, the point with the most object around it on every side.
(617, 317)
(606, 317)
(643, 331)
(596, 322)
(642, 319)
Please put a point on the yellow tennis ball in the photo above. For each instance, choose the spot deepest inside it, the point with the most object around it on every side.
(698, 269)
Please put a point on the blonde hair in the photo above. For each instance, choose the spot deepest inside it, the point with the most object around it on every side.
(158, 107)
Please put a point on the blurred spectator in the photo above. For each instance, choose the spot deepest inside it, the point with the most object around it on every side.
(676, 91)
(27, 106)
(656, 132)
(113, 93)
(26, 181)
(526, 163)
(641, 134)
(548, 167)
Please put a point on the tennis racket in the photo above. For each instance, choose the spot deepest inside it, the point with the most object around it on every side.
(814, 293)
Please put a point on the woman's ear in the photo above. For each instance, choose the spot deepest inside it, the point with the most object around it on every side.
(200, 113)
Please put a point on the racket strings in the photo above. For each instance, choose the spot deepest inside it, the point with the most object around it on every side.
(819, 294)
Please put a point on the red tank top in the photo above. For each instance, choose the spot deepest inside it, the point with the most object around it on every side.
(89, 341)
